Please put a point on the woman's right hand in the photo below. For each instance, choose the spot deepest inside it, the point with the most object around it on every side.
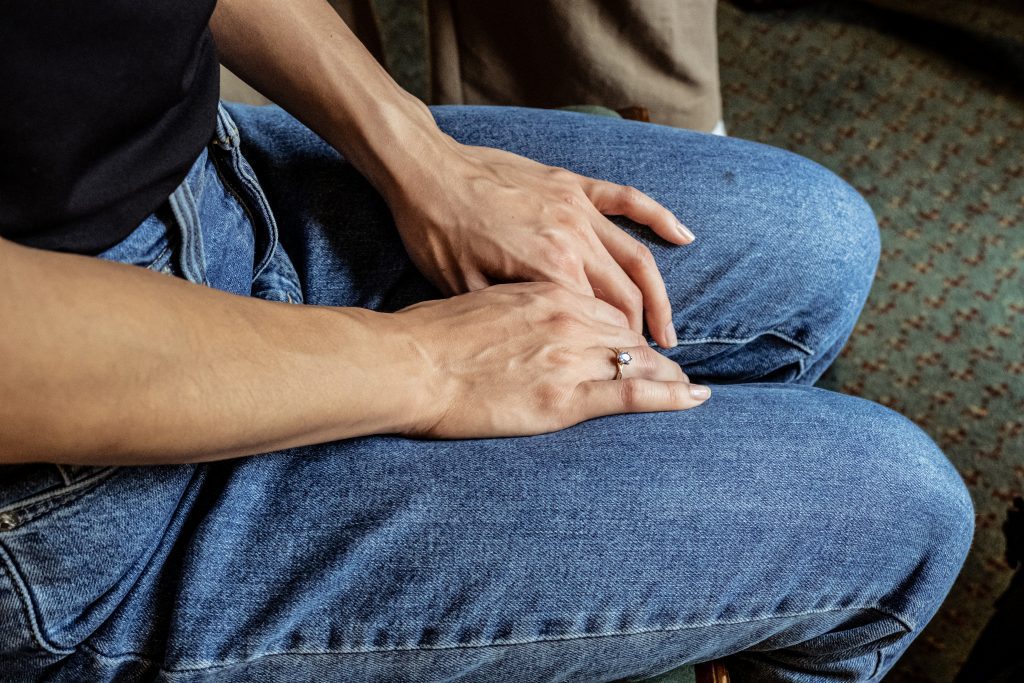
(529, 358)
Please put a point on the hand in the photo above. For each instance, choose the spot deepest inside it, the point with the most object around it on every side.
(530, 358)
(487, 216)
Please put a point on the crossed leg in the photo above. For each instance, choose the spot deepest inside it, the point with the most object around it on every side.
(808, 534)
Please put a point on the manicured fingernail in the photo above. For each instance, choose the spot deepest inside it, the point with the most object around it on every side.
(699, 391)
(670, 335)
(685, 232)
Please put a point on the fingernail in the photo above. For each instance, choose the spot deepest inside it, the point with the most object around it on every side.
(670, 335)
(685, 231)
(699, 391)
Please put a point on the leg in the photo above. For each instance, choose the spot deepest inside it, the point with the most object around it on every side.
(769, 291)
(812, 532)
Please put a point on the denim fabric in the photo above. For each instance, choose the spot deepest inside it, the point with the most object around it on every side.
(806, 535)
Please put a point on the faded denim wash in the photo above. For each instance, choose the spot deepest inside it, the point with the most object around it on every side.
(806, 535)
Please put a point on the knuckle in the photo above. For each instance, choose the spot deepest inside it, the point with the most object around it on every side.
(563, 258)
(561, 175)
(630, 196)
(558, 356)
(677, 394)
(632, 393)
(549, 395)
(648, 359)
(563, 323)
(642, 257)
(635, 298)
(570, 198)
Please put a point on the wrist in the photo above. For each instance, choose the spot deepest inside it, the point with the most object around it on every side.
(395, 372)
(393, 140)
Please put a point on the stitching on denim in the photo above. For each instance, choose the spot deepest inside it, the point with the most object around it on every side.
(801, 362)
(247, 176)
(26, 604)
(63, 475)
(878, 664)
(227, 129)
(159, 257)
(263, 205)
(230, 187)
(135, 656)
(60, 496)
(733, 340)
(183, 205)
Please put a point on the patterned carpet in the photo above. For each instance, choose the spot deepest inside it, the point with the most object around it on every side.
(925, 116)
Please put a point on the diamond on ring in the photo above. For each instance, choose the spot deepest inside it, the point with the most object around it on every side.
(622, 359)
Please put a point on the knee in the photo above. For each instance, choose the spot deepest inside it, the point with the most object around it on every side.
(925, 518)
(834, 233)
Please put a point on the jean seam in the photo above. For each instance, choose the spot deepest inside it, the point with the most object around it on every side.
(159, 257)
(183, 205)
(248, 178)
(803, 348)
(21, 588)
(63, 475)
(878, 663)
(905, 624)
(249, 212)
(61, 495)
(746, 340)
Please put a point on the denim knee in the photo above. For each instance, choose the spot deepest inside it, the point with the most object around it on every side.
(837, 237)
(931, 520)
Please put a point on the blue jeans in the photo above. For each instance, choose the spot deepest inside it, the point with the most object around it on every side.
(803, 534)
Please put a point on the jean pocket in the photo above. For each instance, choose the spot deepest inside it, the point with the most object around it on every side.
(32, 491)
(72, 556)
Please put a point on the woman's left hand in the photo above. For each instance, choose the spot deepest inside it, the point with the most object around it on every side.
(488, 216)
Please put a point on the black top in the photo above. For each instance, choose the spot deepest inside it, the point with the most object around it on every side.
(104, 105)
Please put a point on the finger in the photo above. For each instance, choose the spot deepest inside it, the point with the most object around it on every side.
(636, 395)
(645, 363)
(622, 200)
(638, 263)
(611, 284)
(575, 283)
(563, 265)
(603, 312)
(593, 309)
(475, 281)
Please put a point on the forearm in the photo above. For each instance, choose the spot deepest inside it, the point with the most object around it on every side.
(302, 55)
(106, 363)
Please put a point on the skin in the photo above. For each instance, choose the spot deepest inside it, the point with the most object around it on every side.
(111, 364)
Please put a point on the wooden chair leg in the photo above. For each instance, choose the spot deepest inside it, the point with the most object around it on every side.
(711, 672)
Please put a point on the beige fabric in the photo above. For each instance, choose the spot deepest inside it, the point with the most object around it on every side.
(234, 89)
(657, 54)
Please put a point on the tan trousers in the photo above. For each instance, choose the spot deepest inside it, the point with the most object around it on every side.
(661, 55)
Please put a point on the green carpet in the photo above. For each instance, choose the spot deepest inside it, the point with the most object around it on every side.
(926, 119)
